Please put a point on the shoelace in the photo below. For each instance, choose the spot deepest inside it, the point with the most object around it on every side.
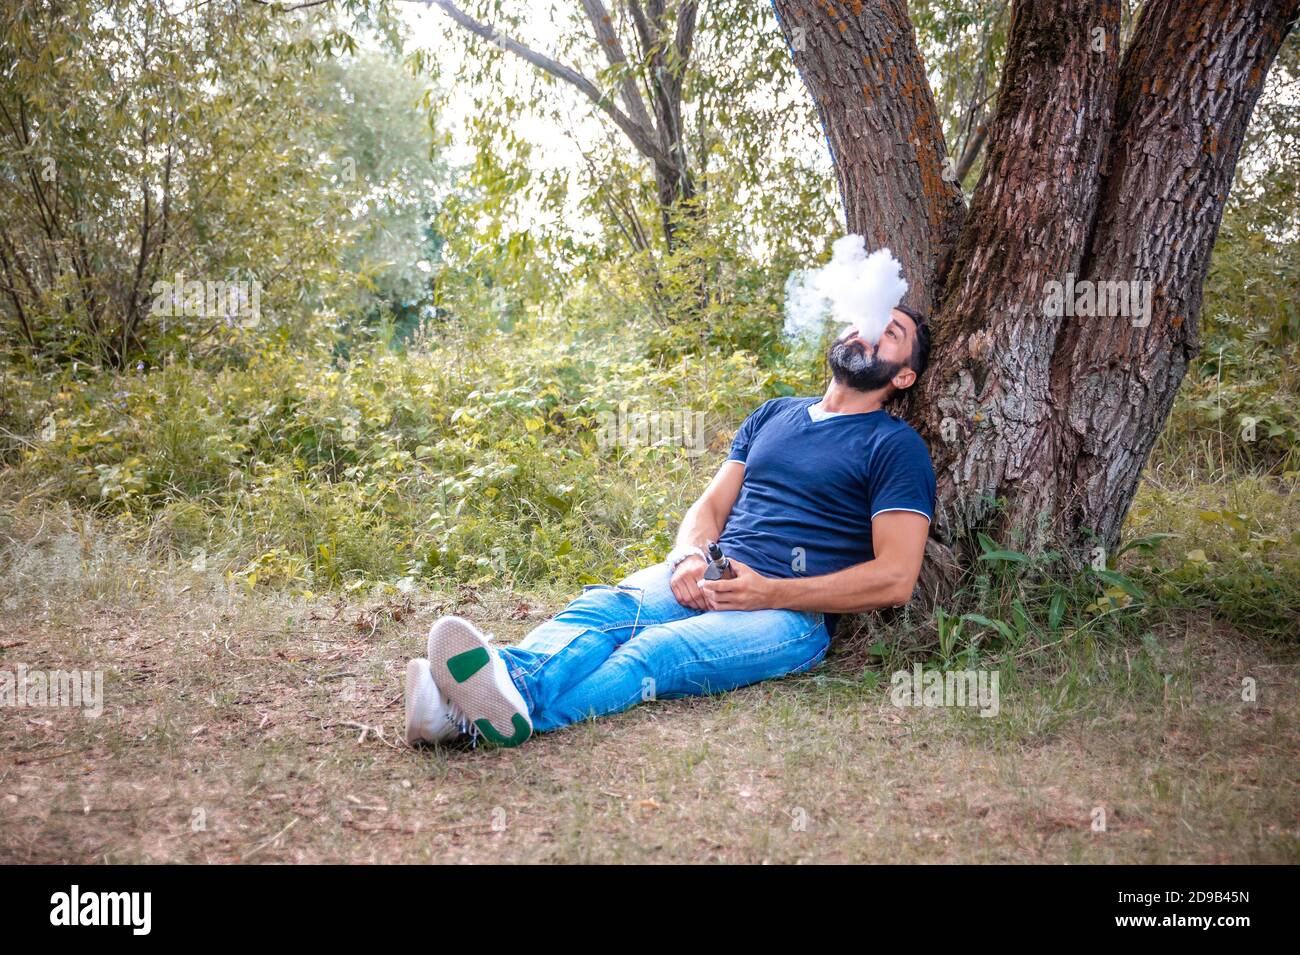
(456, 716)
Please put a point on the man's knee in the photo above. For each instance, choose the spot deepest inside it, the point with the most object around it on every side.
(655, 660)
(599, 606)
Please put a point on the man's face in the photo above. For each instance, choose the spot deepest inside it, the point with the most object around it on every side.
(857, 363)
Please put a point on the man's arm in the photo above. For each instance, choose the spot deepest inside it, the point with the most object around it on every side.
(898, 540)
(704, 522)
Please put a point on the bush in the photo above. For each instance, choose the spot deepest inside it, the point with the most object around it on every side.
(486, 465)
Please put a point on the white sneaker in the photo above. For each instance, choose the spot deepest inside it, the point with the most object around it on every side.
(429, 718)
(430, 644)
(473, 677)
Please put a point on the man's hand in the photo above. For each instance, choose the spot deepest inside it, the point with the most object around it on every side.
(704, 521)
(748, 591)
(686, 583)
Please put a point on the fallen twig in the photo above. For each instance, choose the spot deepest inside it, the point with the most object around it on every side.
(366, 729)
(266, 842)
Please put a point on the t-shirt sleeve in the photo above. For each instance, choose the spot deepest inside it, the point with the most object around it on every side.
(902, 477)
(740, 443)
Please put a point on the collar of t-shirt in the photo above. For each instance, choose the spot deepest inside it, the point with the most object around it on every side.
(817, 412)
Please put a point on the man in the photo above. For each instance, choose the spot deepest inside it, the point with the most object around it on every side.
(823, 508)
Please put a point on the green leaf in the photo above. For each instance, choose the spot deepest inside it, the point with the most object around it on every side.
(1007, 555)
(1056, 611)
(984, 621)
(1123, 583)
(1147, 543)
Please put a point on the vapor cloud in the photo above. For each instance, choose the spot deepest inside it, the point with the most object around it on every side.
(853, 289)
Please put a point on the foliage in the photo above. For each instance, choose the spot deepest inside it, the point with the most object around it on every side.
(306, 451)
(764, 195)
(1253, 287)
(379, 131)
(1238, 410)
(465, 465)
(142, 142)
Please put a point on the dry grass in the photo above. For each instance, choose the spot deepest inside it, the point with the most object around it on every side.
(261, 728)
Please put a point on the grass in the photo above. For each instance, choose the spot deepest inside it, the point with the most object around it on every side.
(252, 554)
(260, 727)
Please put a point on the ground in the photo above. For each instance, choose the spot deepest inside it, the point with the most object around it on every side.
(252, 727)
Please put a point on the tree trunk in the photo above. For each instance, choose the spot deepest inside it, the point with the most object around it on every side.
(1190, 83)
(861, 65)
(1040, 419)
(986, 401)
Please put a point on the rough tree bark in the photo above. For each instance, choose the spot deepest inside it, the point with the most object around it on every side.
(868, 82)
(1192, 78)
(1097, 167)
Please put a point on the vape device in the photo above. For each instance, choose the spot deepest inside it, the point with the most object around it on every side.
(719, 567)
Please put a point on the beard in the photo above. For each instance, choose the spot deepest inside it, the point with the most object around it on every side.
(858, 368)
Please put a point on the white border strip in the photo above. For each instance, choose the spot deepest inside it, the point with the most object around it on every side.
(910, 509)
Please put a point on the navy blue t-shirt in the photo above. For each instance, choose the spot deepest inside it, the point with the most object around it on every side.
(811, 488)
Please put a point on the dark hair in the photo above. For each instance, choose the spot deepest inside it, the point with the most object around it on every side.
(921, 346)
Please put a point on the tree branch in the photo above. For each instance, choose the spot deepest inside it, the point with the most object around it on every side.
(603, 27)
(685, 39)
(297, 6)
(640, 137)
(973, 146)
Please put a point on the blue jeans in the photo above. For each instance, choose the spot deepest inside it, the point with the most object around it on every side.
(615, 646)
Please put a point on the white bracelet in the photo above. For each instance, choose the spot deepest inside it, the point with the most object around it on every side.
(679, 554)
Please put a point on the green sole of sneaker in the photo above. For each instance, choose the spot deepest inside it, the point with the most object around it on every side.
(464, 665)
(521, 731)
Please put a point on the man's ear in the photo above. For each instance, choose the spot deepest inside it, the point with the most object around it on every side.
(904, 379)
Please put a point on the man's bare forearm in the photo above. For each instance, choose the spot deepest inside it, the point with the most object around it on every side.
(707, 517)
(867, 586)
(699, 526)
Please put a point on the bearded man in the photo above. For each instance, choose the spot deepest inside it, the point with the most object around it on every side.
(822, 508)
